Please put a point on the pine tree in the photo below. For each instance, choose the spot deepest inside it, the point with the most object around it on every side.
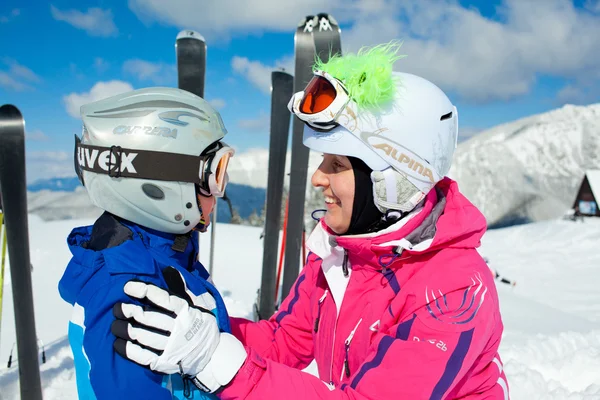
(254, 219)
(236, 218)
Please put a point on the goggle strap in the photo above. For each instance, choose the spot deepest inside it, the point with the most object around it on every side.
(119, 162)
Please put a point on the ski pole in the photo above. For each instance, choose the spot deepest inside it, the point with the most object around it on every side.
(9, 364)
(303, 246)
(2, 260)
(282, 250)
(40, 342)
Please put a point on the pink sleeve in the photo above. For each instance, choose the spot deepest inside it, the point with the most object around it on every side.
(287, 336)
(435, 354)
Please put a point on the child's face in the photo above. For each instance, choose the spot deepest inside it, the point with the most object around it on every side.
(206, 205)
(336, 177)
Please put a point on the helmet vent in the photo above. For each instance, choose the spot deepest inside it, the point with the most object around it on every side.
(153, 191)
(446, 116)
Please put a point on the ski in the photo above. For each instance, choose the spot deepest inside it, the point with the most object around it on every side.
(327, 37)
(320, 34)
(304, 59)
(190, 47)
(14, 202)
(281, 92)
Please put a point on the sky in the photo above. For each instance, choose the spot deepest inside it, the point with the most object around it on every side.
(497, 60)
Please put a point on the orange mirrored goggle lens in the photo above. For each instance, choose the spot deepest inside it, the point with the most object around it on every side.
(318, 95)
(221, 170)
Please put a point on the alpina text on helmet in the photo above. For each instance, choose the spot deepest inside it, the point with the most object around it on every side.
(403, 158)
(88, 158)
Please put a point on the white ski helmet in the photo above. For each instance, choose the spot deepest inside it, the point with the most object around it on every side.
(408, 142)
(143, 155)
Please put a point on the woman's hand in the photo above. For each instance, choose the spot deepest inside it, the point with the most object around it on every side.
(176, 332)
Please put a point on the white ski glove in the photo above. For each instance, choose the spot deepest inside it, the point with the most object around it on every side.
(176, 333)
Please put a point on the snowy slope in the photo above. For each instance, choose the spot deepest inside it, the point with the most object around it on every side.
(530, 169)
(551, 345)
(53, 205)
(251, 167)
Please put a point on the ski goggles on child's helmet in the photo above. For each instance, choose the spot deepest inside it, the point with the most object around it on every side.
(207, 170)
(324, 104)
(213, 170)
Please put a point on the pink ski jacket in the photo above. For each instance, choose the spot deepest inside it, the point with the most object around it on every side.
(410, 312)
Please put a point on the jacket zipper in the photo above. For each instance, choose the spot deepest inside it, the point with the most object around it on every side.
(345, 271)
(332, 351)
(346, 367)
(321, 300)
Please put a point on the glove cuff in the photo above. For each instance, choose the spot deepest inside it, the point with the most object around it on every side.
(226, 361)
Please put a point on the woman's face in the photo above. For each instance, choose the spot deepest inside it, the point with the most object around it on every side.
(336, 177)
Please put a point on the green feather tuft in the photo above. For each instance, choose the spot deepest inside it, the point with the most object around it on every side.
(367, 74)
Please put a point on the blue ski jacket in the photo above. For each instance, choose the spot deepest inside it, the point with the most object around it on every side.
(106, 256)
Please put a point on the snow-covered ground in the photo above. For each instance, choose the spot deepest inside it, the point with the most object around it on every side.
(551, 346)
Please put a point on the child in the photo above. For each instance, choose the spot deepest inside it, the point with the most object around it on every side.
(154, 161)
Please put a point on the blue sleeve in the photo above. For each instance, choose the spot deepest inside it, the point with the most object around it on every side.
(202, 272)
(110, 375)
(199, 286)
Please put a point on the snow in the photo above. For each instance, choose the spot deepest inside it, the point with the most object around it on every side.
(529, 169)
(593, 177)
(550, 347)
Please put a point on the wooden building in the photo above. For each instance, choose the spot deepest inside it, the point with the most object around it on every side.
(587, 201)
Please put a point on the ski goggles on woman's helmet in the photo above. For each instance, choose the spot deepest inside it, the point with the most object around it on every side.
(213, 170)
(324, 104)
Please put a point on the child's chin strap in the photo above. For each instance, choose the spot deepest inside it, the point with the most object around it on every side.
(181, 241)
(202, 226)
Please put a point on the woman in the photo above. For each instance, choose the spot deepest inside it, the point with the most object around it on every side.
(394, 301)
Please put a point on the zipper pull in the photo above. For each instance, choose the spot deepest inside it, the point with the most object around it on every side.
(187, 393)
(345, 264)
(347, 349)
(321, 300)
(346, 366)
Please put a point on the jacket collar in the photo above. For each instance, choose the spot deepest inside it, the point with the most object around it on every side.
(446, 219)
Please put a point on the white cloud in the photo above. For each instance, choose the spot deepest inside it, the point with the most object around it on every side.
(8, 82)
(17, 77)
(158, 73)
(21, 71)
(216, 20)
(467, 132)
(36, 135)
(101, 65)
(479, 58)
(259, 124)
(593, 6)
(581, 93)
(49, 164)
(99, 91)
(218, 104)
(7, 18)
(258, 73)
(95, 21)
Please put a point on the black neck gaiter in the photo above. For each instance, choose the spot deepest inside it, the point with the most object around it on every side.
(365, 215)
